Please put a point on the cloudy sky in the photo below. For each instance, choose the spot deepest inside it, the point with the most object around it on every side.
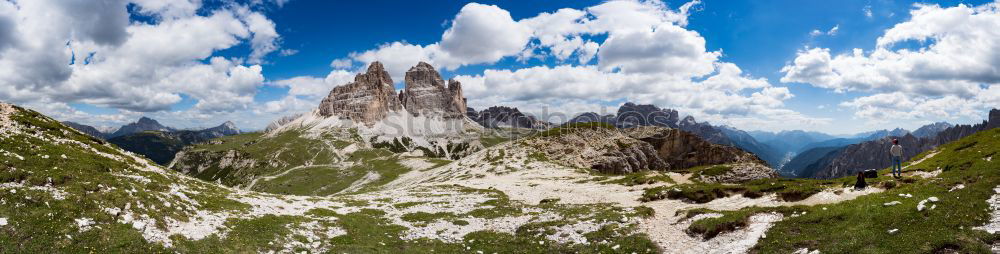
(831, 66)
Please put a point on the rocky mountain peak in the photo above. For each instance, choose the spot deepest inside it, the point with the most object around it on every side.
(147, 121)
(931, 129)
(372, 96)
(376, 73)
(426, 93)
(368, 99)
(144, 124)
(224, 129)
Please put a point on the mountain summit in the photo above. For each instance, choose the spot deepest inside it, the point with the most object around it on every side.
(144, 124)
(368, 99)
(426, 93)
(225, 129)
(372, 97)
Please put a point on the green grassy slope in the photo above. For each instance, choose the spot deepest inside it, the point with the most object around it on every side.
(863, 225)
(876, 224)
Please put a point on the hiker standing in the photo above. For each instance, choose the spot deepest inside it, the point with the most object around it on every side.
(897, 158)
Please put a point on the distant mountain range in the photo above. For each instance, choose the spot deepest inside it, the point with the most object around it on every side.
(839, 157)
(931, 130)
(813, 157)
(155, 141)
(790, 141)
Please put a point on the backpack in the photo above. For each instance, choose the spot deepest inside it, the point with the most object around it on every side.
(871, 173)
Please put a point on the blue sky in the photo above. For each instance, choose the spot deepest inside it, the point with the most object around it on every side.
(286, 48)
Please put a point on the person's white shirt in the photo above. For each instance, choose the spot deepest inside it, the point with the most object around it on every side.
(896, 150)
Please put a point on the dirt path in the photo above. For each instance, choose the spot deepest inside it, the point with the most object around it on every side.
(930, 155)
(919, 173)
(272, 177)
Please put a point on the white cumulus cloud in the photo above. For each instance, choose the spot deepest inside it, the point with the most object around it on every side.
(939, 63)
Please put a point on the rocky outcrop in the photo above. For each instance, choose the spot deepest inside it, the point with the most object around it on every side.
(426, 94)
(875, 154)
(458, 100)
(634, 115)
(500, 116)
(621, 151)
(682, 150)
(368, 99)
(605, 150)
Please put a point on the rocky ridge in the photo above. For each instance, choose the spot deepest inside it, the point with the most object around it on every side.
(621, 151)
(633, 115)
(501, 116)
(931, 130)
(680, 150)
(604, 149)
